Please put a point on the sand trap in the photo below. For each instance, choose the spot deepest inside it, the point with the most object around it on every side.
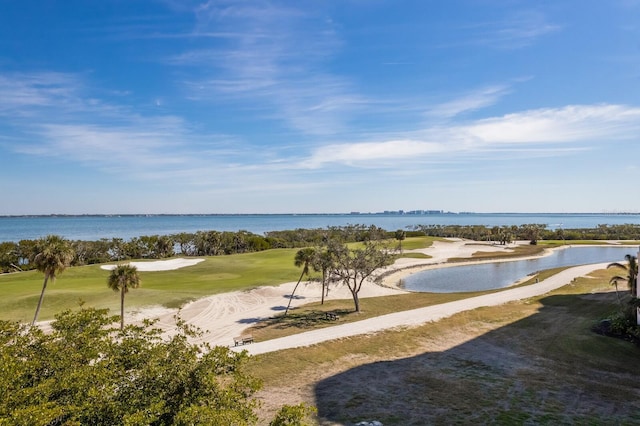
(221, 317)
(159, 265)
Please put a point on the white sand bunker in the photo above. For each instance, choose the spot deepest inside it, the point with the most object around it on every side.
(159, 265)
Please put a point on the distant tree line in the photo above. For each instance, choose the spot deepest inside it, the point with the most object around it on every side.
(20, 256)
(532, 232)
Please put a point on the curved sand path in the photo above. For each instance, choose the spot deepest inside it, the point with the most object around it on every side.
(419, 316)
(224, 316)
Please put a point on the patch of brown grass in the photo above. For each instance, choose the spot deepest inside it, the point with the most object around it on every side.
(313, 315)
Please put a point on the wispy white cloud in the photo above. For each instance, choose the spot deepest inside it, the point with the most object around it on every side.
(543, 130)
(276, 60)
(516, 31)
(476, 100)
(574, 123)
(53, 115)
(21, 93)
(139, 145)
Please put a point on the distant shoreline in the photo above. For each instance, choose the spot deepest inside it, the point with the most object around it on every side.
(395, 213)
(93, 227)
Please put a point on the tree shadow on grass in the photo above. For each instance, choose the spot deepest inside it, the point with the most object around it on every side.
(548, 368)
(302, 320)
(294, 297)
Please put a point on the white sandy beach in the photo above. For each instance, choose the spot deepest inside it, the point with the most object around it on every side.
(224, 316)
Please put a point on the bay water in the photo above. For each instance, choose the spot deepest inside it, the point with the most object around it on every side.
(95, 227)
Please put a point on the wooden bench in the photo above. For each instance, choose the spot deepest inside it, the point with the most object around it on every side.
(331, 316)
(242, 340)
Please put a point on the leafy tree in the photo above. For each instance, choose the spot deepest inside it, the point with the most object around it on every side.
(122, 278)
(532, 232)
(9, 257)
(186, 243)
(85, 372)
(53, 255)
(354, 266)
(163, 247)
(117, 249)
(303, 259)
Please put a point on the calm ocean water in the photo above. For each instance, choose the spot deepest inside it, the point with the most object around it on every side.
(90, 228)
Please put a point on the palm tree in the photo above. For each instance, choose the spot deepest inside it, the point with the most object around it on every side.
(631, 269)
(52, 256)
(614, 281)
(122, 278)
(303, 258)
(322, 262)
(400, 235)
(631, 278)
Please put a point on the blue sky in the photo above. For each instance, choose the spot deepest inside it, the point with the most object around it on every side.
(132, 106)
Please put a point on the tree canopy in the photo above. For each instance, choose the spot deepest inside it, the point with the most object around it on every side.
(352, 266)
(88, 372)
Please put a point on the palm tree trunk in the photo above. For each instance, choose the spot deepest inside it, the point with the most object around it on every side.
(122, 308)
(44, 287)
(324, 283)
(618, 294)
(294, 292)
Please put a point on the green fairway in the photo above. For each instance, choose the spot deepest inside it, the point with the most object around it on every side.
(20, 291)
(172, 289)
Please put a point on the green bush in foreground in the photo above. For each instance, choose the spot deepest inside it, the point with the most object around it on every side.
(87, 372)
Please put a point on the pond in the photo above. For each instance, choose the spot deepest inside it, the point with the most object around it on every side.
(489, 276)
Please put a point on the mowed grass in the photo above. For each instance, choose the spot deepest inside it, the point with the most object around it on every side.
(88, 284)
(172, 289)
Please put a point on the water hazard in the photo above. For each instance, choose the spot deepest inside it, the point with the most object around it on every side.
(489, 276)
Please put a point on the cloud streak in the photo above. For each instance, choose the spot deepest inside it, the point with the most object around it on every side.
(277, 58)
(471, 102)
(548, 129)
(517, 31)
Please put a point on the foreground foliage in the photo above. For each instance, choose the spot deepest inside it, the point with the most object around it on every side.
(86, 371)
(624, 322)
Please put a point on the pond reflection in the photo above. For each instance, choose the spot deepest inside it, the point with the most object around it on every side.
(488, 276)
